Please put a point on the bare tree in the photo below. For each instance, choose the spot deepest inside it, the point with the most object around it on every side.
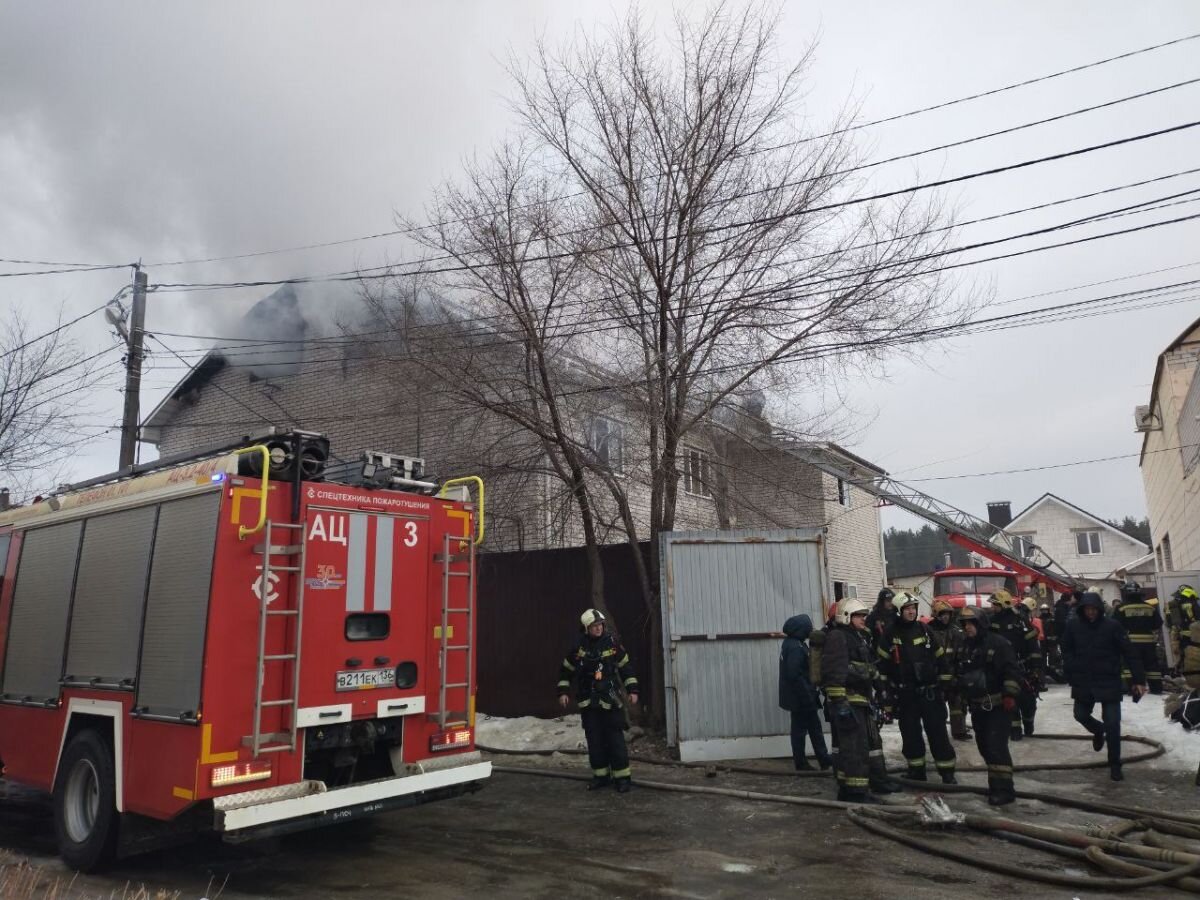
(664, 236)
(44, 382)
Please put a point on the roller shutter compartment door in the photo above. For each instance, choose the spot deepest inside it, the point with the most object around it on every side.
(177, 608)
(110, 593)
(41, 604)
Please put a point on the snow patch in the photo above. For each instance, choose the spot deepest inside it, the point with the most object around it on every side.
(530, 733)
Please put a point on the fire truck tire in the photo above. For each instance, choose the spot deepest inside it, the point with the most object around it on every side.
(85, 808)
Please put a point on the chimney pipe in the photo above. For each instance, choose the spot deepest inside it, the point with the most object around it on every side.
(5, 503)
(1000, 513)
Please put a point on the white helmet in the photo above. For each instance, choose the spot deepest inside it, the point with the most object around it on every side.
(591, 617)
(849, 607)
(904, 598)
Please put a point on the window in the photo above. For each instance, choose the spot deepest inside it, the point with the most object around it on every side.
(1023, 545)
(1087, 543)
(843, 493)
(950, 585)
(695, 472)
(1167, 564)
(852, 591)
(608, 443)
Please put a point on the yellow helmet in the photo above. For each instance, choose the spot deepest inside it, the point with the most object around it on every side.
(1002, 599)
(941, 606)
(1187, 592)
(1030, 603)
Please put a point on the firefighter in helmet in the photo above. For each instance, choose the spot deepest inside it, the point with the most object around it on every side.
(948, 636)
(987, 675)
(849, 676)
(883, 616)
(1010, 625)
(1143, 623)
(1182, 611)
(599, 667)
(918, 670)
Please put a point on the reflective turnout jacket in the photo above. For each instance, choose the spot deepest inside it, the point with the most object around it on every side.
(598, 667)
(1009, 625)
(848, 670)
(1141, 621)
(986, 671)
(911, 657)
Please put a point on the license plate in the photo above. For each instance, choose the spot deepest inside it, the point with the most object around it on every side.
(365, 679)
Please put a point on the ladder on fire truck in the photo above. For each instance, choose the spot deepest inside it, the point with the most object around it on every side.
(279, 741)
(465, 645)
(994, 543)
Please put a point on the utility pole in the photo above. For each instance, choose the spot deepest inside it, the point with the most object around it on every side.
(133, 370)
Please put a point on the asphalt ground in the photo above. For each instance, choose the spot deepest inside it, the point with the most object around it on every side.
(525, 836)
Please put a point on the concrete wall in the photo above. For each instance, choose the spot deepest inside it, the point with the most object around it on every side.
(1172, 494)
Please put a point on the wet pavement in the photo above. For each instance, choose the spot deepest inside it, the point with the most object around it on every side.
(526, 836)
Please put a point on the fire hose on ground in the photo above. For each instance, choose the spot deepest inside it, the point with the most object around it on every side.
(1160, 858)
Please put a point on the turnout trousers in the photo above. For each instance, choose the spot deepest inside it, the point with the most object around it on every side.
(991, 737)
(605, 733)
(1147, 651)
(859, 762)
(1022, 717)
(923, 709)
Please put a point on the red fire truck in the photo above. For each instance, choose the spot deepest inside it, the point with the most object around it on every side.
(239, 641)
(972, 586)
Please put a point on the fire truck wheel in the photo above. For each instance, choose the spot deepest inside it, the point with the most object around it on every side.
(85, 808)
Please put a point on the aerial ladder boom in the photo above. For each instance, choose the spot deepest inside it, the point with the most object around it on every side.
(982, 537)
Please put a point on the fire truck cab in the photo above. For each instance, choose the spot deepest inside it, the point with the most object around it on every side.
(240, 642)
(972, 586)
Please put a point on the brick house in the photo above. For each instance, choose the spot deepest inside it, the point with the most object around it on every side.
(1083, 544)
(286, 375)
(1170, 457)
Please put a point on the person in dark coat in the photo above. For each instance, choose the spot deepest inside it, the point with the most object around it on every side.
(1094, 648)
(797, 694)
(883, 616)
(1062, 611)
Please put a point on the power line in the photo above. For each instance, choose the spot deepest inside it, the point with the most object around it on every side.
(360, 275)
(1064, 312)
(41, 337)
(887, 119)
(773, 290)
(63, 271)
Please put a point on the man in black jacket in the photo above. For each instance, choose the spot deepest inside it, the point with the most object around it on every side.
(797, 694)
(1093, 649)
(599, 666)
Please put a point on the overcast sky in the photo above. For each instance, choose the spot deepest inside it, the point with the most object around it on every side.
(165, 131)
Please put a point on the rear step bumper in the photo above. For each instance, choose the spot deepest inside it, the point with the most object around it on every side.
(308, 804)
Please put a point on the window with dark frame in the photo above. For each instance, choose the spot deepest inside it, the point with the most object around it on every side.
(1087, 543)
(695, 472)
(843, 492)
(608, 443)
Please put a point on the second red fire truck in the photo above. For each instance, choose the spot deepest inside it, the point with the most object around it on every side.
(237, 642)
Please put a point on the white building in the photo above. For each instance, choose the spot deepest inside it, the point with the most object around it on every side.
(1170, 460)
(1083, 544)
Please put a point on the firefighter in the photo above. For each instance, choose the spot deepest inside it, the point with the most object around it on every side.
(883, 616)
(1143, 623)
(918, 670)
(1050, 642)
(848, 676)
(987, 675)
(949, 637)
(1182, 610)
(1009, 624)
(600, 667)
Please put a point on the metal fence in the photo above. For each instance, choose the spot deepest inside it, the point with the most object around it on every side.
(529, 606)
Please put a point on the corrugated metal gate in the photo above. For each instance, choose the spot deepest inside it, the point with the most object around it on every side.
(726, 596)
